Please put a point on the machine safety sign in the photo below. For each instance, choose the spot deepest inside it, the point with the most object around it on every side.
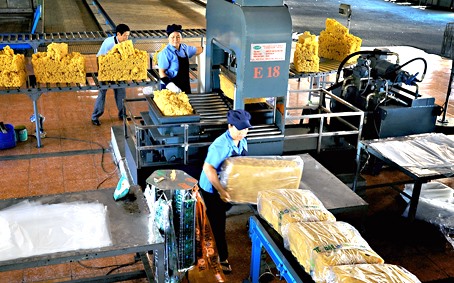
(268, 52)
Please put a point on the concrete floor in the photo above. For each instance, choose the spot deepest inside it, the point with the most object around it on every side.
(48, 170)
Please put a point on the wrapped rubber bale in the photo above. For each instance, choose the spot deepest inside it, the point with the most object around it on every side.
(370, 273)
(281, 206)
(245, 176)
(320, 245)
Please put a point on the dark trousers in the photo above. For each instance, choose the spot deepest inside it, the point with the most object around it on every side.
(216, 212)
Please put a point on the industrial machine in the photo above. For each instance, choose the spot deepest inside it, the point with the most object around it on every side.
(247, 61)
(250, 41)
(387, 94)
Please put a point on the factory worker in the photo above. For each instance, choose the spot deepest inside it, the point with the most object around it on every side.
(122, 32)
(216, 198)
(173, 61)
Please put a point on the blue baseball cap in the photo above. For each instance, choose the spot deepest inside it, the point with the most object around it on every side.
(239, 118)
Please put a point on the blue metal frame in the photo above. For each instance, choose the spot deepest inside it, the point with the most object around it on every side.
(260, 238)
(36, 18)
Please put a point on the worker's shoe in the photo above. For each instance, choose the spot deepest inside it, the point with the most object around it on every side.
(96, 122)
(226, 268)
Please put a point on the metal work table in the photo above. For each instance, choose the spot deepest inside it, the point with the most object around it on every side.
(337, 197)
(440, 162)
(129, 228)
(34, 90)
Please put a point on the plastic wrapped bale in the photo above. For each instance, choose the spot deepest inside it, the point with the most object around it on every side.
(245, 176)
(320, 245)
(280, 207)
(370, 273)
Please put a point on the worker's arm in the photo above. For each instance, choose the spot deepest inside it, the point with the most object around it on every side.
(199, 50)
(212, 175)
(162, 74)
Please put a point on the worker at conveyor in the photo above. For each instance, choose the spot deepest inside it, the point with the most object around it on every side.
(173, 61)
(122, 32)
(216, 197)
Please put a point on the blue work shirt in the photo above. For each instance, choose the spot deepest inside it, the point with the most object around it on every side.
(106, 45)
(168, 60)
(222, 148)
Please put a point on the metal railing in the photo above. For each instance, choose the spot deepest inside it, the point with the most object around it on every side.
(324, 115)
(136, 131)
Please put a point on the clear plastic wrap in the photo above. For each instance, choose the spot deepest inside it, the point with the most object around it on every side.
(370, 273)
(31, 228)
(320, 245)
(245, 176)
(281, 206)
(425, 154)
(435, 206)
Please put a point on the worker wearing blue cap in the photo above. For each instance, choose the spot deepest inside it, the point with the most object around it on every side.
(216, 198)
(173, 61)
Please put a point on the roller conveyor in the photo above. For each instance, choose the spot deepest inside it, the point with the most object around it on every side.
(209, 107)
(42, 38)
(91, 83)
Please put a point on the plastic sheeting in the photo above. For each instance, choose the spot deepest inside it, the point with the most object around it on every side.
(319, 245)
(280, 207)
(245, 176)
(425, 154)
(32, 228)
(435, 206)
(369, 273)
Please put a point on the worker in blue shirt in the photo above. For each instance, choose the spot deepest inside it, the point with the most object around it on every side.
(122, 32)
(216, 197)
(173, 61)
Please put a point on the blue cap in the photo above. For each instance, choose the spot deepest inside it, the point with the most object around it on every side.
(172, 28)
(239, 118)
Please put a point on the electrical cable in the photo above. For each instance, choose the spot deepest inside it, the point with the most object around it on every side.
(110, 174)
(114, 266)
(376, 52)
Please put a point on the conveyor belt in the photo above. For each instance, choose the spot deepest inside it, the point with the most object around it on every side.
(327, 66)
(209, 106)
(91, 83)
(41, 38)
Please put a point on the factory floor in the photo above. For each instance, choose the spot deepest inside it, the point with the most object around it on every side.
(76, 156)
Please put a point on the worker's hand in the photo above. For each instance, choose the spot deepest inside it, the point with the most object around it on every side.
(225, 196)
(173, 87)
